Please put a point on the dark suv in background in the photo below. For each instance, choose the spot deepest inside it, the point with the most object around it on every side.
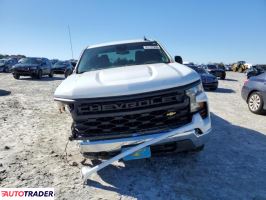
(216, 71)
(32, 66)
(62, 67)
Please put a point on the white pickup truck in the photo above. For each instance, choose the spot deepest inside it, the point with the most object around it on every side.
(124, 93)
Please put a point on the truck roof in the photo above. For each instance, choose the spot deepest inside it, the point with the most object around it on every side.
(118, 42)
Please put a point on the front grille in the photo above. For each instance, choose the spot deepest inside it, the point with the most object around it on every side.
(22, 69)
(131, 115)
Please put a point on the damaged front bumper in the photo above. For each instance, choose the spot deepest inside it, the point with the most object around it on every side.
(182, 131)
(197, 135)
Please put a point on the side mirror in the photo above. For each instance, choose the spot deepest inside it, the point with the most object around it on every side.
(179, 59)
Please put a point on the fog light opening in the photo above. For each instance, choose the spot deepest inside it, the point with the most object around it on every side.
(198, 131)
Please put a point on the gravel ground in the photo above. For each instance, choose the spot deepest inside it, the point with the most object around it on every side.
(34, 135)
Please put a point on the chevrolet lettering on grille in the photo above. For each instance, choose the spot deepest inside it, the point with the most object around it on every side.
(130, 105)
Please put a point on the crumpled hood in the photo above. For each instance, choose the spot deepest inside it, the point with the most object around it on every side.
(125, 81)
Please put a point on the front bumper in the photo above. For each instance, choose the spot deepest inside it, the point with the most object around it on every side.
(25, 72)
(59, 70)
(197, 135)
(210, 85)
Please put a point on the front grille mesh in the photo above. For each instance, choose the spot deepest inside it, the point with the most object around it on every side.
(125, 122)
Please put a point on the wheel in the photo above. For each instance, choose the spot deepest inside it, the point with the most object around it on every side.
(6, 70)
(39, 75)
(16, 76)
(223, 77)
(198, 149)
(51, 75)
(67, 73)
(255, 103)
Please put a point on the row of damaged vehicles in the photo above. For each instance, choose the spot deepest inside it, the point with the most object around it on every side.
(36, 67)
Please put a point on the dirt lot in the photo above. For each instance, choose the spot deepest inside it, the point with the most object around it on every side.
(34, 136)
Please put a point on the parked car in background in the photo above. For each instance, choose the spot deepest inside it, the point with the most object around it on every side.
(254, 93)
(63, 67)
(7, 64)
(256, 70)
(34, 67)
(209, 81)
(228, 68)
(214, 70)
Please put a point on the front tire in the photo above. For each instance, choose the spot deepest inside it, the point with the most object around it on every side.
(255, 103)
(39, 74)
(223, 77)
(51, 75)
(240, 70)
(6, 70)
(16, 76)
(67, 73)
(198, 149)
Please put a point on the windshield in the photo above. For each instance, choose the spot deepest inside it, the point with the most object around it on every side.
(61, 63)
(121, 55)
(30, 61)
(212, 67)
(53, 61)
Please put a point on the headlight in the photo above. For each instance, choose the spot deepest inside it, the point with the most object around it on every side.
(192, 93)
(33, 67)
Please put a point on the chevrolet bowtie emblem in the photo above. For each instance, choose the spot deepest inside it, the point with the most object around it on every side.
(170, 114)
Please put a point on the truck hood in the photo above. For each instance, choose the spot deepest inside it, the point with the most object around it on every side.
(125, 81)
